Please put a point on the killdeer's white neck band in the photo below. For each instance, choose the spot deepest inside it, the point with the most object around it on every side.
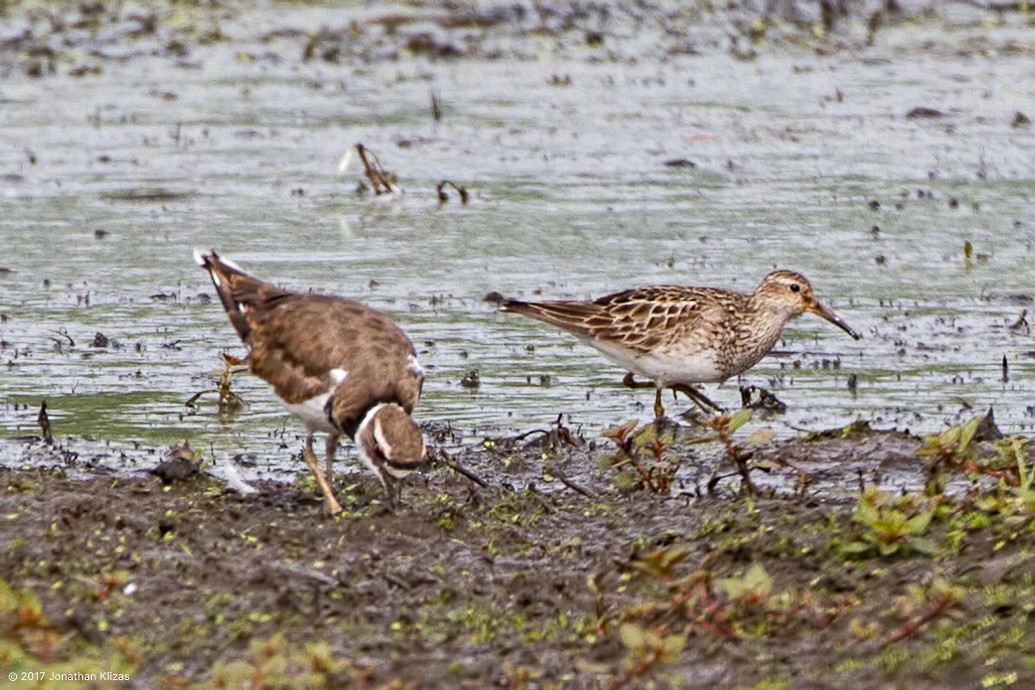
(367, 419)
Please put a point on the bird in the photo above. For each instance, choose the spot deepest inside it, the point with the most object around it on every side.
(339, 366)
(678, 336)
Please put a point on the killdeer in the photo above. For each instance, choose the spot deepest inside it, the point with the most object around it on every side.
(336, 364)
(678, 336)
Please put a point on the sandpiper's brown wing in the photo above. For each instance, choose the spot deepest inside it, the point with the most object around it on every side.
(640, 319)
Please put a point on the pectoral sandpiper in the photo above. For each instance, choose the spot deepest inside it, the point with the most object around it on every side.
(336, 364)
(678, 336)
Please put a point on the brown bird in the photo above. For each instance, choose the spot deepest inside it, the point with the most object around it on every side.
(336, 364)
(678, 336)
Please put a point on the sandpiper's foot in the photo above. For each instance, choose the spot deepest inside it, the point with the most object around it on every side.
(631, 382)
(697, 397)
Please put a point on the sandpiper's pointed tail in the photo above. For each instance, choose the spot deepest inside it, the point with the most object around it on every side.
(570, 315)
(236, 289)
(506, 304)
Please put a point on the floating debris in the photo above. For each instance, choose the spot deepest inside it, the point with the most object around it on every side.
(1021, 322)
(443, 197)
(63, 340)
(923, 113)
(228, 402)
(381, 181)
(755, 398)
(436, 107)
(146, 195)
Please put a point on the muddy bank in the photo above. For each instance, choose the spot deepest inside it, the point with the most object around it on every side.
(529, 581)
(83, 40)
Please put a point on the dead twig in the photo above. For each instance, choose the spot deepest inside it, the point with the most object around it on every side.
(526, 434)
(912, 626)
(65, 337)
(553, 471)
(441, 458)
(229, 402)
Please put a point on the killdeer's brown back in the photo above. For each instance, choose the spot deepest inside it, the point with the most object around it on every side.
(303, 344)
(306, 345)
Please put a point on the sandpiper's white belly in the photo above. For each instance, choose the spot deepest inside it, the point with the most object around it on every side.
(665, 368)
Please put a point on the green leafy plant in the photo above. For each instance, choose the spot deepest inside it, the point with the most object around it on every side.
(647, 452)
(752, 588)
(645, 650)
(890, 527)
(948, 451)
(643, 450)
(275, 663)
(660, 563)
(1011, 451)
(1015, 498)
(724, 425)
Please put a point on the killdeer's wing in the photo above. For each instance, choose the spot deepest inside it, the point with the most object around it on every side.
(303, 343)
(238, 291)
(306, 344)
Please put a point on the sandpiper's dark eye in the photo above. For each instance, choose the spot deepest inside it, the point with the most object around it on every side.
(795, 287)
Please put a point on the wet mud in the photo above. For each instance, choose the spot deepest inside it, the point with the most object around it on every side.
(550, 571)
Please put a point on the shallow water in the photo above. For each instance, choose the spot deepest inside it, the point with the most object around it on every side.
(563, 147)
